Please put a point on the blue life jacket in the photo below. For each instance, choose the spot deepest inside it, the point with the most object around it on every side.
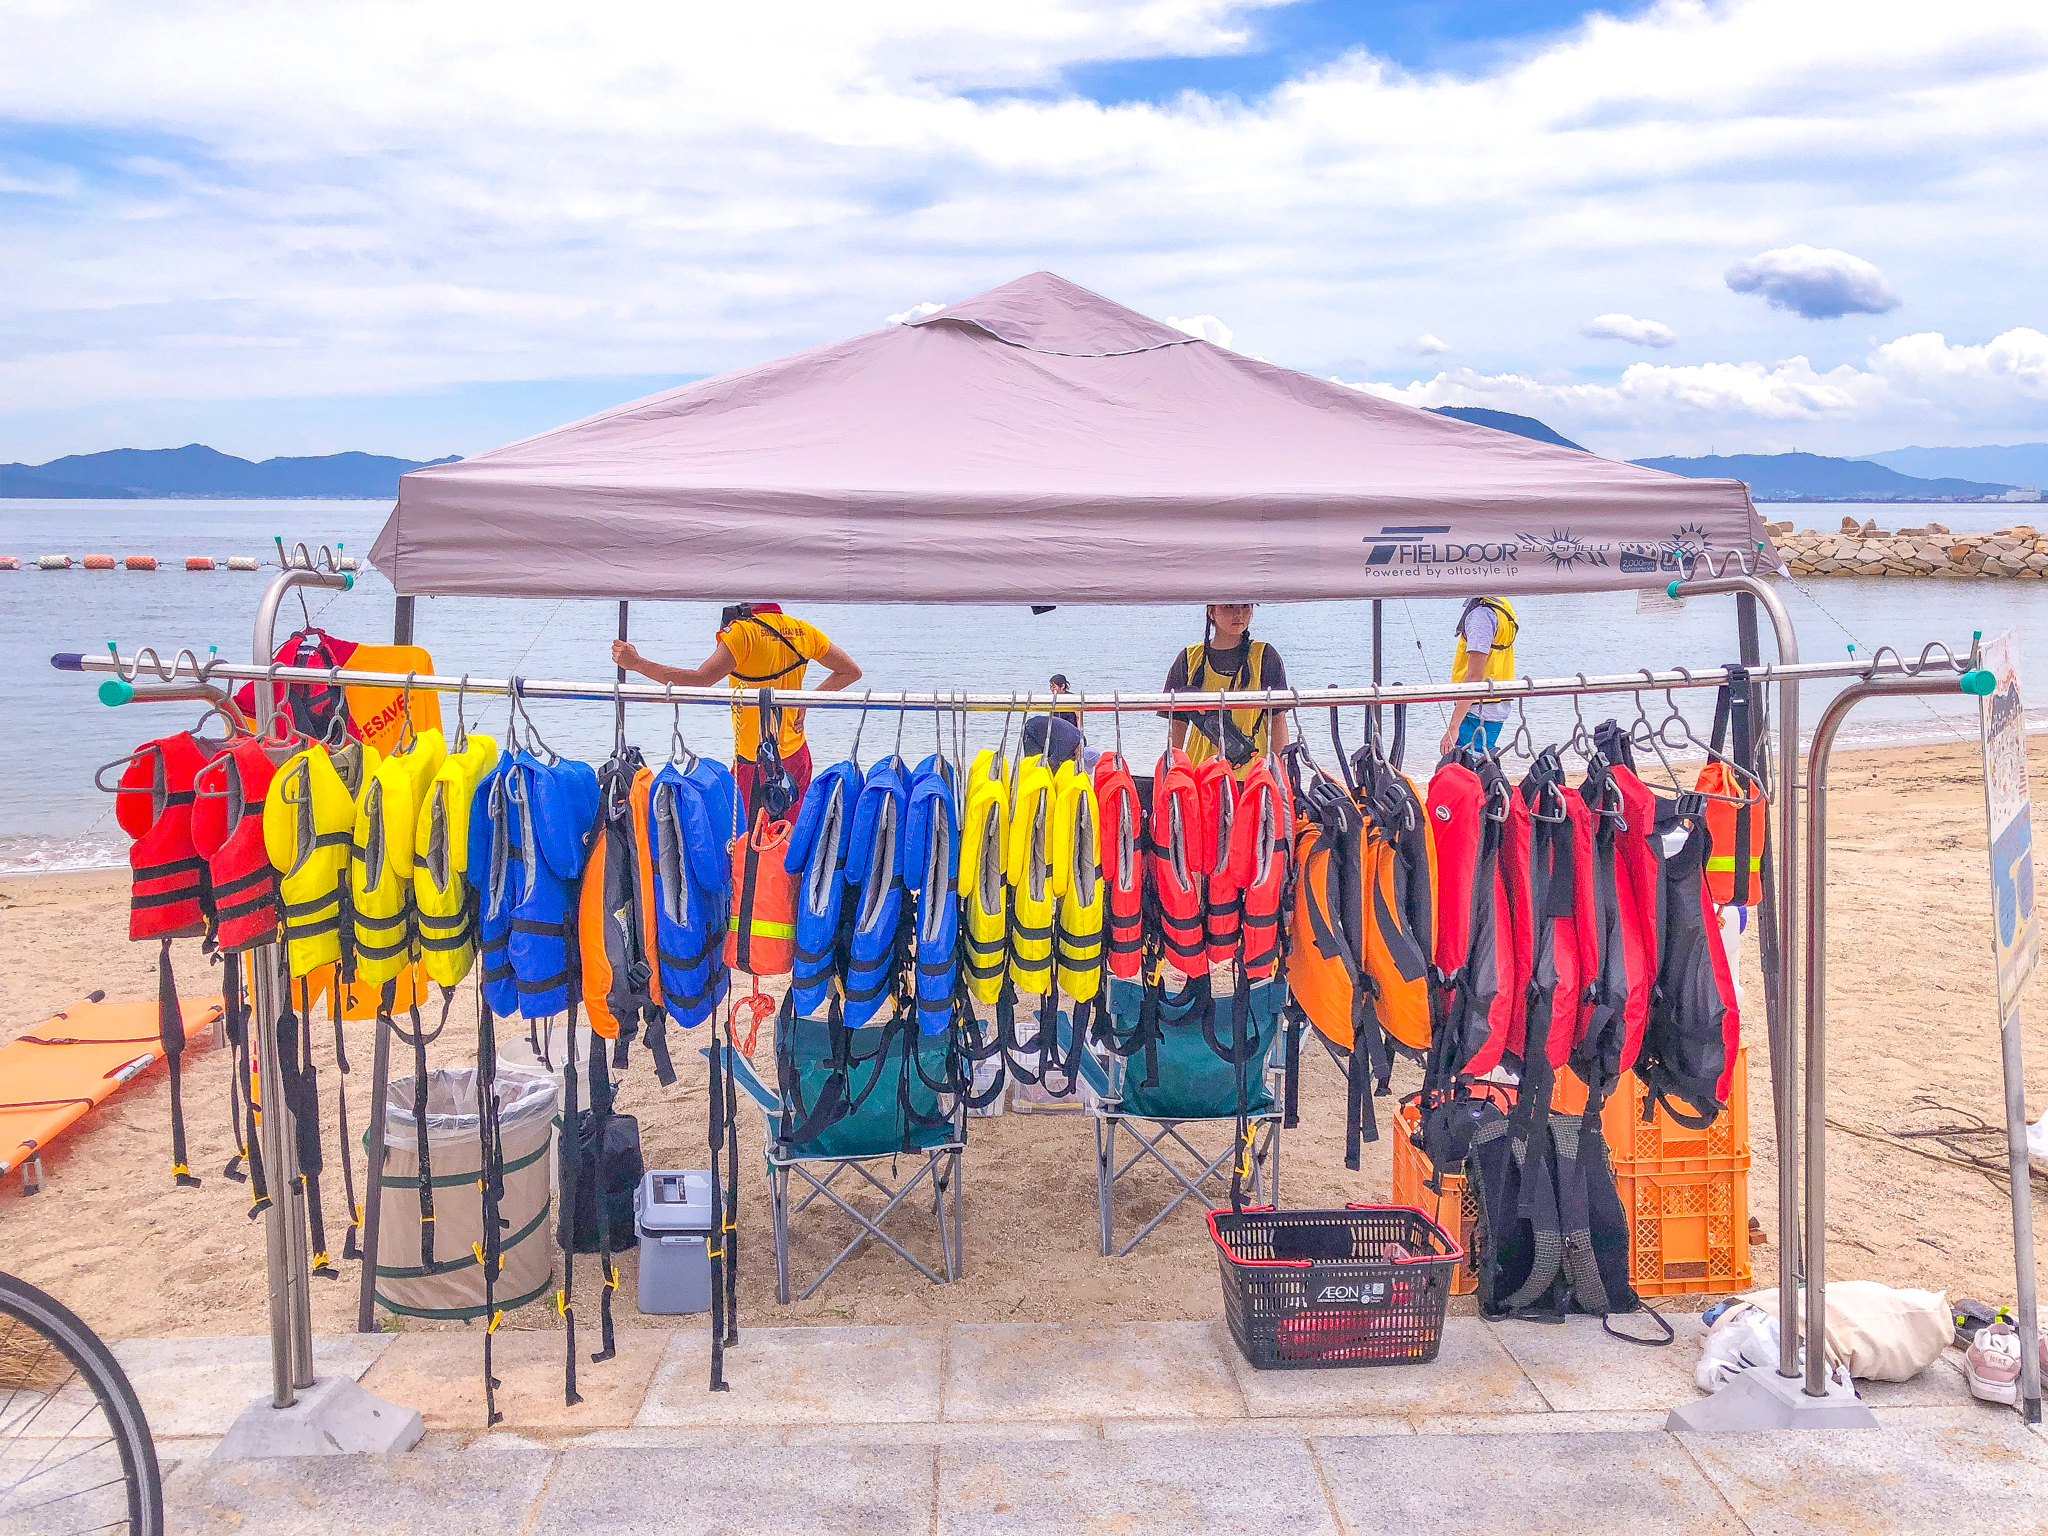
(550, 813)
(874, 870)
(495, 862)
(688, 814)
(931, 856)
(817, 857)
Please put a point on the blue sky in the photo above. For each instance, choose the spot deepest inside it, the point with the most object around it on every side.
(1660, 227)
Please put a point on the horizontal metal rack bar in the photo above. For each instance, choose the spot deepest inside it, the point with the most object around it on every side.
(145, 665)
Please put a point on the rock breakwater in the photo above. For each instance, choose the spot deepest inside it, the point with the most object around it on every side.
(1864, 549)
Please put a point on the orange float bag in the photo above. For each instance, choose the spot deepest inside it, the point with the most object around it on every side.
(760, 937)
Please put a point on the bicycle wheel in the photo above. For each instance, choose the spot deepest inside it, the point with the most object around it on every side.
(75, 1451)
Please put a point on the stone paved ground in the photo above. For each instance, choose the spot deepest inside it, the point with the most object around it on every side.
(1134, 1429)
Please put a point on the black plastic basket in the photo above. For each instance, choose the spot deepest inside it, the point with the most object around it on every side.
(1367, 1285)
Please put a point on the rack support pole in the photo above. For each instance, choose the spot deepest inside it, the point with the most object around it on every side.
(1785, 1042)
(1816, 1307)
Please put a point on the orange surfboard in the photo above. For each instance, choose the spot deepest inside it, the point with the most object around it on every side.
(75, 1062)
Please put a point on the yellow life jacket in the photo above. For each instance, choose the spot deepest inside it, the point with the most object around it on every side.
(1202, 678)
(989, 767)
(440, 889)
(309, 817)
(1027, 867)
(1500, 660)
(984, 899)
(381, 859)
(1077, 875)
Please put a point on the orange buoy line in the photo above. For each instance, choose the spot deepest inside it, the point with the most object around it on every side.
(140, 562)
(199, 562)
(98, 562)
(10, 562)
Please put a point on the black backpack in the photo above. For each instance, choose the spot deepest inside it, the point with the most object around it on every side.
(606, 1179)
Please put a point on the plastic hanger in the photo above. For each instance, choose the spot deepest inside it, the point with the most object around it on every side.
(679, 752)
(460, 744)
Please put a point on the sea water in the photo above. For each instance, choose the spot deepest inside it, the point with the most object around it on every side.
(54, 733)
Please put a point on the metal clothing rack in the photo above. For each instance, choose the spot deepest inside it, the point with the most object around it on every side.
(145, 677)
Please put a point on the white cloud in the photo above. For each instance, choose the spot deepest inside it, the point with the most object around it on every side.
(1821, 285)
(1903, 385)
(915, 312)
(318, 199)
(1427, 345)
(1643, 333)
(1208, 327)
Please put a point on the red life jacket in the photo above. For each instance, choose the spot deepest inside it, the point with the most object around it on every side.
(1222, 902)
(227, 831)
(1120, 840)
(1577, 942)
(1639, 873)
(1560, 909)
(1627, 874)
(1261, 844)
(1474, 954)
(1178, 859)
(168, 898)
(1689, 1043)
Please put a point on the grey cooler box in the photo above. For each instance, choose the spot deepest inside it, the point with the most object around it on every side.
(672, 1210)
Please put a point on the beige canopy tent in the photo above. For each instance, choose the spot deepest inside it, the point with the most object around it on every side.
(1040, 444)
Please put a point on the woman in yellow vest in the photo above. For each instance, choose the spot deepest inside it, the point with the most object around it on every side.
(759, 646)
(1228, 661)
(1485, 650)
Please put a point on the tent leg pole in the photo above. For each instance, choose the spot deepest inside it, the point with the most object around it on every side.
(1378, 656)
(619, 726)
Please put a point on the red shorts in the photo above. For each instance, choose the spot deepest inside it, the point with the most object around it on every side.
(797, 765)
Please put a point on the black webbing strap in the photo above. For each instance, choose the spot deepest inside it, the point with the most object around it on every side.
(350, 1247)
(714, 1245)
(170, 1026)
(730, 1233)
(235, 1027)
(301, 1094)
(600, 1121)
(491, 1181)
(570, 1160)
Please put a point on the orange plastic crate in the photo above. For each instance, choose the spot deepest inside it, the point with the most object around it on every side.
(1662, 1143)
(1686, 1238)
(1456, 1210)
(1688, 1232)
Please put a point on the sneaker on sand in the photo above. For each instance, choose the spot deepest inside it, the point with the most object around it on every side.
(1993, 1364)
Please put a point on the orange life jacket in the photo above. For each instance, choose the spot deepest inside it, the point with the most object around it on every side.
(615, 907)
(227, 831)
(1120, 834)
(1222, 902)
(1399, 913)
(761, 936)
(1179, 857)
(169, 896)
(1260, 851)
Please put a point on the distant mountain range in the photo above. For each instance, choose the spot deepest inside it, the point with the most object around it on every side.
(2020, 463)
(1505, 421)
(198, 471)
(1795, 476)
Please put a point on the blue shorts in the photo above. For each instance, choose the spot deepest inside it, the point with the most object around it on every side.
(1473, 731)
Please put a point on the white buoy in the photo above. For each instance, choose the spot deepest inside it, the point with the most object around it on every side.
(53, 562)
(242, 563)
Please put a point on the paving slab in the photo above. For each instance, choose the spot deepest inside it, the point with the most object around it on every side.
(1279, 1429)
(939, 1434)
(1176, 1485)
(1580, 1368)
(442, 1375)
(1987, 1479)
(856, 1375)
(1623, 1421)
(1026, 1371)
(1942, 1384)
(200, 1386)
(1522, 1485)
(740, 1491)
(432, 1493)
(1471, 1374)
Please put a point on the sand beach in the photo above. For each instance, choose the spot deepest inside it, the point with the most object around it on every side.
(1912, 1045)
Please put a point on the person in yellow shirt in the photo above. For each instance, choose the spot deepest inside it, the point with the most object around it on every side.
(759, 646)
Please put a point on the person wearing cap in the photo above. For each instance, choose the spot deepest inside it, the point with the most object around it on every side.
(1228, 660)
(758, 646)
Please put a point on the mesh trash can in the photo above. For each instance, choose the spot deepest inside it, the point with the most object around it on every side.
(454, 1287)
(673, 1212)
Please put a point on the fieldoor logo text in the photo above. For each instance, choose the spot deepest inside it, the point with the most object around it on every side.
(1416, 549)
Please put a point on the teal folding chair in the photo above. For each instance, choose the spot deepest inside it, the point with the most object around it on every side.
(1166, 1098)
(876, 1132)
